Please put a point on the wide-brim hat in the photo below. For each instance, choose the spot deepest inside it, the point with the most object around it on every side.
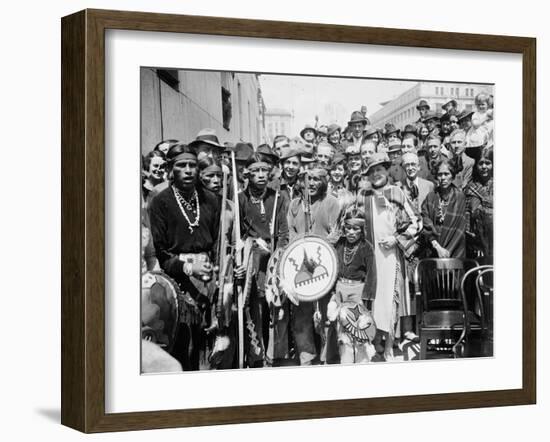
(377, 159)
(357, 117)
(264, 149)
(243, 151)
(206, 136)
(371, 130)
(306, 128)
(449, 101)
(432, 116)
(422, 103)
(465, 114)
(389, 128)
(338, 158)
(333, 128)
(290, 152)
(307, 157)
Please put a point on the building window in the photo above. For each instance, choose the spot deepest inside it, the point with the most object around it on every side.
(437, 90)
(170, 77)
(442, 90)
(282, 128)
(226, 108)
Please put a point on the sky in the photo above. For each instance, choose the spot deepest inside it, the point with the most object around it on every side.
(333, 99)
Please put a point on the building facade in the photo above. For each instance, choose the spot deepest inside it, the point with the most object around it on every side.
(277, 122)
(402, 109)
(177, 104)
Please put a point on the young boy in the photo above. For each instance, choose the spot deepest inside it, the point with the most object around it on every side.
(355, 288)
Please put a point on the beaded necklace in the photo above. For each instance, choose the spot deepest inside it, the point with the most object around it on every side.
(442, 208)
(182, 202)
(259, 200)
(349, 253)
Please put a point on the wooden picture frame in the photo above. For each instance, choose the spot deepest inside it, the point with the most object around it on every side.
(83, 219)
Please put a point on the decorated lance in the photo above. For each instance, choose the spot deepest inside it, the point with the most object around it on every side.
(238, 259)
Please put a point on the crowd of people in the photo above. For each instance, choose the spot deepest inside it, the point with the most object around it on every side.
(384, 198)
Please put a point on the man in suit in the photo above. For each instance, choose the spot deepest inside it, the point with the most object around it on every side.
(410, 145)
(416, 189)
(458, 146)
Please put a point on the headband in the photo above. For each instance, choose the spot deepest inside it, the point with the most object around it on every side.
(184, 156)
(212, 168)
(257, 164)
(358, 222)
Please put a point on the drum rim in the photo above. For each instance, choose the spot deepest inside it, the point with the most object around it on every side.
(177, 294)
(333, 277)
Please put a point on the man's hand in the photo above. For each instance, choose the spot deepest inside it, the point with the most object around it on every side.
(239, 272)
(201, 269)
(442, 252)
(388, 242)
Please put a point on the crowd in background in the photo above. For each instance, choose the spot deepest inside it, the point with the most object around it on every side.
(385, 198)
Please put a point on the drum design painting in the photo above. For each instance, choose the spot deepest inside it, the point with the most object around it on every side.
(310, 266)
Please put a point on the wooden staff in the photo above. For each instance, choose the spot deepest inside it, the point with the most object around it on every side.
(238, 260)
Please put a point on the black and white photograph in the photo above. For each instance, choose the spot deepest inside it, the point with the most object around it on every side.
(295, 220)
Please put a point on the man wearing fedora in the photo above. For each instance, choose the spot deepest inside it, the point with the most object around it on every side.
(356, 124)
(392, 134)
(206, 144)
(450, 106)
(422, 107)
(392, 226)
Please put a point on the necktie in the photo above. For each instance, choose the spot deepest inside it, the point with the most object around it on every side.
(414, 191)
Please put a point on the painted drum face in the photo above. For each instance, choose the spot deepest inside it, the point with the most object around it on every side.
(310, 266)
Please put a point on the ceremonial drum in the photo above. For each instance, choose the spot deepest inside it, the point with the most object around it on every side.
(159, 309)
(309, 266)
